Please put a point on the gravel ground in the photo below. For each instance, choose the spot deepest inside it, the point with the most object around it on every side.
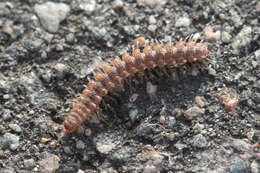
(187, 123)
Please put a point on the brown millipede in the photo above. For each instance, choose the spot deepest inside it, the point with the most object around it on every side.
(113, 74)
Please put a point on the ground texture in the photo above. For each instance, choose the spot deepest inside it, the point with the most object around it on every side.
(176, 124)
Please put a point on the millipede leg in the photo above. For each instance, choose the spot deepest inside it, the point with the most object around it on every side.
(111, 98)
(150, 75)
(174, 74)
(158, 72)
(100, 117)
(163, 69)
(94, 118)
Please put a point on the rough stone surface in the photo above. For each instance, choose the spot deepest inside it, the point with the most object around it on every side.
(51, 14)
(10, 141)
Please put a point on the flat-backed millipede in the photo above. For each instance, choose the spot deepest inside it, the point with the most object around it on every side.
(112, 74)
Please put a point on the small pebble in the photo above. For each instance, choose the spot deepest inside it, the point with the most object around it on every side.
(171, 136)
(80, 171)
(162, 119)
(257, 7)
(183, 21)
(133, 97)
(6, 114)
(200, 141)
(170, 122)
(257, 54)
(211, 35)
(152, 20)
(70, 38)
(53, 144)
(151, 90)
(51, 14)
(45, 140)
(118, 4)
(201, 101)
(152, 28)
(212, 71)
(59, 47)
(180, 146)
(242, 146)
(196, 36)
(150, 169)
(88, 132)
(250, 135)
(255, 166)
(67, 150)
(193, 112)
(133, 115)
(242, 39)
(199, 127)
(153, 3)
(156, 158)
(9, 31)
(1, 153)
(106, 142)
(254, 63)
(235, 17)
(34, 45)
(49, 164)
(6, 97)
(222, 16)
(229, 98)
(11, 141)
(80, 145)
(240, 166)
(62, 69)
(4, 10)
(15, 128)
(226, 37)
(29, 163)
(5, 87)
(88, 6)
(122, 155)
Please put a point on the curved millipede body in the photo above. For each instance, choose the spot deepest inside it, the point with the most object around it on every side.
(112, 75)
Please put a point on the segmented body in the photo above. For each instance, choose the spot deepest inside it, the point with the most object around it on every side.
(112, 75)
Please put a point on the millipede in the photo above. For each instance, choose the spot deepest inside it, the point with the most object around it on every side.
(111, 75)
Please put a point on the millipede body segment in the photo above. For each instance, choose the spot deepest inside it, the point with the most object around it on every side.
(112, 75)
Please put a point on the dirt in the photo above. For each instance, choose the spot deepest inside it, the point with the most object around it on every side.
(181, 126)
